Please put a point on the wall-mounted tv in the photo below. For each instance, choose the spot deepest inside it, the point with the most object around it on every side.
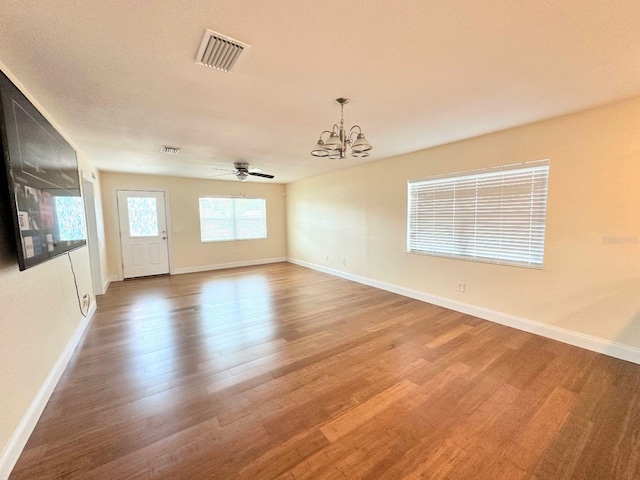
(42, 181)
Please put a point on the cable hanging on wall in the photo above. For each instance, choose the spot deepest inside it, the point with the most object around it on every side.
(75, 282)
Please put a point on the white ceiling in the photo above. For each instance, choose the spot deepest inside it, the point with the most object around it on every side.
(121, 79)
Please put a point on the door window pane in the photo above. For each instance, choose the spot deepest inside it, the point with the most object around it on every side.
(143, 217)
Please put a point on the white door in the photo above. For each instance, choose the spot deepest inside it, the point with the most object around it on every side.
(143, 233)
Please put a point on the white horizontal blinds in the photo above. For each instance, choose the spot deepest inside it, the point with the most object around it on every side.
(216, 219)
(496, 216)
(250, 216)
(232, 219)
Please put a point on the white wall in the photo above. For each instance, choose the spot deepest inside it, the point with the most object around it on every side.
(39, 315)
(355, 221)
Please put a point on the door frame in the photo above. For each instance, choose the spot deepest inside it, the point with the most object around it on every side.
(167, 212)
(93, 239)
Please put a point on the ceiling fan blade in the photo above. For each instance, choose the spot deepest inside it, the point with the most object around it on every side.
(223, 169)
(223, 174)
(257, 174)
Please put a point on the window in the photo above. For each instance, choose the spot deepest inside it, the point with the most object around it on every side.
(143, 216)
(232, 218)
(493, 215)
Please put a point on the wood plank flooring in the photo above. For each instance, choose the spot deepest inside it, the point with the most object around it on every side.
(280, 372)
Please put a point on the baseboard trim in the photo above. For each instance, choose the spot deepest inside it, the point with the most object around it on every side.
(589, 342)
(105, 287)
(21, 434)
(222, 266)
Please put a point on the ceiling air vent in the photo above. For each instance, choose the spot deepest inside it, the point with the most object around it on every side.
(170, 150)
(218, 51)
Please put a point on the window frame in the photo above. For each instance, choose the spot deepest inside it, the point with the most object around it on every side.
(437, 232)
(233, 218)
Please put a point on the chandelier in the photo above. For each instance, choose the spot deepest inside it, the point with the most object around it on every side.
(336, 144)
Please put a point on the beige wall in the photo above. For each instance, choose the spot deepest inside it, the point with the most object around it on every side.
(186, 249)
(38, 314)
(355, 221)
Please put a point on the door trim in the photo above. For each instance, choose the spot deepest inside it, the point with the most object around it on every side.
(167, 212)
(93, 238)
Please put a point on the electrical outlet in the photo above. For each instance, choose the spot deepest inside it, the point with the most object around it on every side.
(85, 301)
(327, 258)
(344, 261)
(460, 287)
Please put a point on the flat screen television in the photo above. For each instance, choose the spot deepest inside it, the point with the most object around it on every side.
(42, 181)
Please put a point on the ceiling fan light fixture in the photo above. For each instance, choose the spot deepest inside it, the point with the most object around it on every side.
(360, 154)
(242, 172)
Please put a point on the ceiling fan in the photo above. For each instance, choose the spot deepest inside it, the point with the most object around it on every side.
(242, 172)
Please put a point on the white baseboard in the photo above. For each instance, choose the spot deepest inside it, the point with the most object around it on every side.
(221, 266)
(21, 434)
(105, 287)
(589, 342)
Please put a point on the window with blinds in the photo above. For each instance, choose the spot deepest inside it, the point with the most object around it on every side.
(224, 218)
(495, 215)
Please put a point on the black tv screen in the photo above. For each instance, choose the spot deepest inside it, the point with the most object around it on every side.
(42, 180)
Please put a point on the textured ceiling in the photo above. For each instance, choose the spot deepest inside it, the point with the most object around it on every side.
(120, 76)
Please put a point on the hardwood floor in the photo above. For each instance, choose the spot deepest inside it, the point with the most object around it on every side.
(283, 372)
